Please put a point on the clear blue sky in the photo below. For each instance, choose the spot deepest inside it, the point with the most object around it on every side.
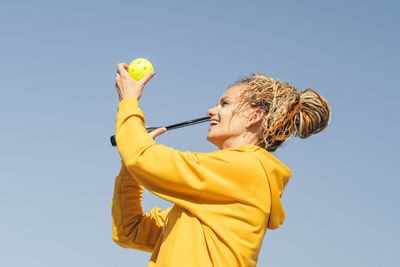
(58, 107)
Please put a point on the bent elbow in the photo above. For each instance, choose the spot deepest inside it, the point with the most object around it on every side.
(125, 242)
(120, 238)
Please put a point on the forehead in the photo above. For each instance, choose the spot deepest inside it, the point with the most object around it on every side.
(233, 91)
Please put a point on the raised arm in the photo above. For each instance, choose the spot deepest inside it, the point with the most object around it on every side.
(184, 178)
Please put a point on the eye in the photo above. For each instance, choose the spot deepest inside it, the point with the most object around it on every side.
(222, 102)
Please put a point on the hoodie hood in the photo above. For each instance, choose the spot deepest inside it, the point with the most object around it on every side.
(278, 176)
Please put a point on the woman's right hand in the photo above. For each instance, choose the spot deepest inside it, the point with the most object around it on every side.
(157, 132)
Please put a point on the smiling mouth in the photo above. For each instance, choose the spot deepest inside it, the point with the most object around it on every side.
(214, 123)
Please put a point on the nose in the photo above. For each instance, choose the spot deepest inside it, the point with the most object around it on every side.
(211, 112)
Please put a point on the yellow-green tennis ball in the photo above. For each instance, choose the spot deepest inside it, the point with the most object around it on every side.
(139, 67)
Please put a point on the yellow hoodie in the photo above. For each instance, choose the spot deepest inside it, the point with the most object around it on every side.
(224, 200)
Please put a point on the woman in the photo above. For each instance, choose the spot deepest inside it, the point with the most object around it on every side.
(224, 200)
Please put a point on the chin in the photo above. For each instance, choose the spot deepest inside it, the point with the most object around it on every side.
(210, 139)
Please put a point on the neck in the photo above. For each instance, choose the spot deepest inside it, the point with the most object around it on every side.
(250, 139)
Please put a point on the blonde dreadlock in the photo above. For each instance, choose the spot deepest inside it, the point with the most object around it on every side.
(287, 112)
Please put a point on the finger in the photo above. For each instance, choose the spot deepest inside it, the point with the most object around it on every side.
(121, 69)
(117, 80)
(157, 132)
(147, 78)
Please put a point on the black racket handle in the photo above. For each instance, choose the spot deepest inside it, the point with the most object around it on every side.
(114, 141)
(170, 127)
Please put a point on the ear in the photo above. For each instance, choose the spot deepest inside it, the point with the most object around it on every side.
(256, 117)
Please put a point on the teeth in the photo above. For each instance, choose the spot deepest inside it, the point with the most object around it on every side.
(214, 122)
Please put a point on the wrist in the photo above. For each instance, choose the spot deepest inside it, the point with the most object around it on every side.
(129, 96)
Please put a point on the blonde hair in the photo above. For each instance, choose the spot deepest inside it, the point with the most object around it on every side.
(286, 111)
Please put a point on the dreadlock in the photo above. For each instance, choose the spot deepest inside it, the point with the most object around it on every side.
(286, 111)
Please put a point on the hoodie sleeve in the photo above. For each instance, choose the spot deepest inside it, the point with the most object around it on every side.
(184, 178)
(131, 227)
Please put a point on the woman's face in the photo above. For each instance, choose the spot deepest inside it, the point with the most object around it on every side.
(227, 122)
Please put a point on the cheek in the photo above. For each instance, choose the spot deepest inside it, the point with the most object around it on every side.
(236, 124)
(240, 124)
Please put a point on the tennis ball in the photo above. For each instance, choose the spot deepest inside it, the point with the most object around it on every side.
(139, 67)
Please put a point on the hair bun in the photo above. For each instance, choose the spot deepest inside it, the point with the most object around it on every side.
(313, 114)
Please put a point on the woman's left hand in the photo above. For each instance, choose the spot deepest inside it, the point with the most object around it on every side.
(128, 87)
